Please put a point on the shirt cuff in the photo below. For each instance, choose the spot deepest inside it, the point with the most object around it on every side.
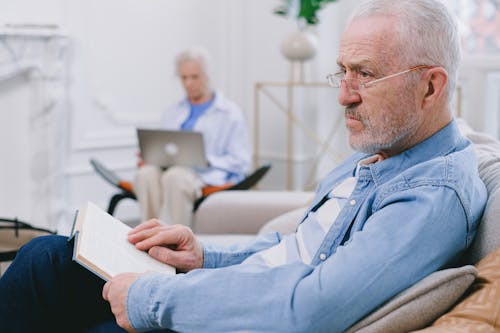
(209, 258)
(142, 313)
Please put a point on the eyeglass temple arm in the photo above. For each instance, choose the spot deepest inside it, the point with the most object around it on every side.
(398, 74)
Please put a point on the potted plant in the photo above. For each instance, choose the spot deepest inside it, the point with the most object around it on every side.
(301, 45)
(302, 10)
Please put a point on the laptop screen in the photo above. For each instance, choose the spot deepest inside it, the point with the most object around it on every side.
(166, 148)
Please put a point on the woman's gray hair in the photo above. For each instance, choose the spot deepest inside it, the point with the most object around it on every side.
(198, 54)
(427, 31)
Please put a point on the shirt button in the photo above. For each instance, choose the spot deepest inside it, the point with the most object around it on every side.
(352, 202)
(322, 256)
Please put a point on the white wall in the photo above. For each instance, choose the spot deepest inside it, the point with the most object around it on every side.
(15, 94)
(120, 74)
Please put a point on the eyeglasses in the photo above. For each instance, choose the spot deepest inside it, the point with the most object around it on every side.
(355, 84)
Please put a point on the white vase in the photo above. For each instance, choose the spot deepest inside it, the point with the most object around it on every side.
(300, 45)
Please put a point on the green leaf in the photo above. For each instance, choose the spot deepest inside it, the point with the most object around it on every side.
(308, 9)
(281, 11)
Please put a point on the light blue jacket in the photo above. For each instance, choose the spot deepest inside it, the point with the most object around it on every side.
(407, 217)
(224, 134)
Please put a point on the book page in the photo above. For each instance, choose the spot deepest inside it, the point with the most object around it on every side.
(103, 244)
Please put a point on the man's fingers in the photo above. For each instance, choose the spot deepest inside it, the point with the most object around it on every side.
(165, 255)
(182, 260)
(171, 244)
(142, 235)
(145, 225)
(105, 291)
(162, 236)
(146, 234)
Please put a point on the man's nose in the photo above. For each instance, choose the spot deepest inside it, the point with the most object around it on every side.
(347, 96)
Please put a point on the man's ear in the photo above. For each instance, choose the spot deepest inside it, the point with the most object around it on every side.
(436, 80)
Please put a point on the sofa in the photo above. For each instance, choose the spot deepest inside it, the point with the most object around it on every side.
(465, 298)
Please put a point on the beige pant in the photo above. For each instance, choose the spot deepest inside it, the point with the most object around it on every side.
(167, 195)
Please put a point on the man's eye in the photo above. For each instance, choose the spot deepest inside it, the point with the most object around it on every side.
(340, 73)
(364, 74)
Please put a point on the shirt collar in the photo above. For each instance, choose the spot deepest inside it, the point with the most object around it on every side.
(367, 161)
(219, 103)
(441, 143)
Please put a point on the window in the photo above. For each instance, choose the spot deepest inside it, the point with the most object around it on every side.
(479, 82)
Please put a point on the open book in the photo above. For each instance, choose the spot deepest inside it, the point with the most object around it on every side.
(101, 245)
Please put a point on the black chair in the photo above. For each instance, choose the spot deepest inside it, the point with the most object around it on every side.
(126, 190)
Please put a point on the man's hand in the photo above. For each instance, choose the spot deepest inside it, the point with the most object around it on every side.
(175, 245)
(140, 161)
(115, 292)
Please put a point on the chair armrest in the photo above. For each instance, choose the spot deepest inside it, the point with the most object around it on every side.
(245, 212)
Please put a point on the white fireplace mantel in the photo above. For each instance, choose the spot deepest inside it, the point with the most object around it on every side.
(33, 89)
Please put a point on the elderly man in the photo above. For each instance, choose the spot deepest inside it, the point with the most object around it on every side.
(170, 194)
(403, 207)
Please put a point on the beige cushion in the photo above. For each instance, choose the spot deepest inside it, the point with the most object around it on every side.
(479, 311)
(245, 212)
(488, 157)
(419, 305)
(284, 224)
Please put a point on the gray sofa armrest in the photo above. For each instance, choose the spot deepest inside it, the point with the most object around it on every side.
(245, 212)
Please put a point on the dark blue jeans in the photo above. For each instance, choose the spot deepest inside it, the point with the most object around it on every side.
(44, 290)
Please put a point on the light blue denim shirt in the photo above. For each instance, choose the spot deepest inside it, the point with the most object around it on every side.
(408, 216)
(225, 136)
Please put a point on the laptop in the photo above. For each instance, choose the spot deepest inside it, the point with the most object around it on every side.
(165, 148)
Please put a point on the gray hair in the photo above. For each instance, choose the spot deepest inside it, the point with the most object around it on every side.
(427, 30)
(198, 54)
